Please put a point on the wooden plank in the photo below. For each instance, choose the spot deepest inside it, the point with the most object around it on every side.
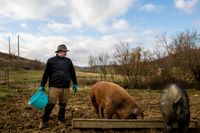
(123, 123)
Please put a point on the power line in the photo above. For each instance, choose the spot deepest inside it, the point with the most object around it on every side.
(18, 43)
(9, 45)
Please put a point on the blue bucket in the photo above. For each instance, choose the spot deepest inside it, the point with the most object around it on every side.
(39, 99)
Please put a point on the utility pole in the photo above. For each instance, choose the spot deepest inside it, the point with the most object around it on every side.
(18, 44)
(9, 45)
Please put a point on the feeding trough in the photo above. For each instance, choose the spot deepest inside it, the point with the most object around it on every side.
(124, 123)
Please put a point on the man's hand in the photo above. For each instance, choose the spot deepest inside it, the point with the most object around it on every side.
(41, 88)
(75, 88)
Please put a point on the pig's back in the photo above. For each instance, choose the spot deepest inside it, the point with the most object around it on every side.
(170, 94)
(109, 92)
(172, 91)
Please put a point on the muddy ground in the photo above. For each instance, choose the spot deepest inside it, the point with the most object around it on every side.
(17, 116)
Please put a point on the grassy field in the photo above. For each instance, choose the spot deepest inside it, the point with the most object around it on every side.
(3, 92)
(36, 75)
(29, 80)
(33, 76)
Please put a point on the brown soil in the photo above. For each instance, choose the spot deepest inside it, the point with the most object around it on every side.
(17, 116)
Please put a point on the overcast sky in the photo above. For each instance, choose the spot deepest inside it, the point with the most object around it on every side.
(89, 27)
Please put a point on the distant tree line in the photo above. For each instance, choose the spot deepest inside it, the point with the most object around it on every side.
(177, 60)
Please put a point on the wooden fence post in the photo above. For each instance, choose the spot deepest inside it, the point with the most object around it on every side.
(6, 78)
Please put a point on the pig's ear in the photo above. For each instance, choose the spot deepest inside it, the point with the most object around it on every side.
(133, 115)
(138, 113)
(178, 100)
(135, 111)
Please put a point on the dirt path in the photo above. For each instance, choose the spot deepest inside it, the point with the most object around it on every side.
(17, 116)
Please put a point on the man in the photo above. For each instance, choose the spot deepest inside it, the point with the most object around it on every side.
(59, 71)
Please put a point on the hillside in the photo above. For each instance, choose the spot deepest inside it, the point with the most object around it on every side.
(16, 63)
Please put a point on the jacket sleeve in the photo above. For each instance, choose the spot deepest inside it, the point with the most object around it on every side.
(45, 74)
(73, 74)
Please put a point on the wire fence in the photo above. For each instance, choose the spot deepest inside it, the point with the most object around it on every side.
(5, 77)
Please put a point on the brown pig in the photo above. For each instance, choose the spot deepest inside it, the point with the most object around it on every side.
(115, 100)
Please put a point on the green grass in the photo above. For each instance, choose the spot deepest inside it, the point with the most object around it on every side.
(24, 76)
(4, 92)
(27, 77)
(35, 75)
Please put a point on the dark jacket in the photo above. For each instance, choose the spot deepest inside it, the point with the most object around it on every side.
(60, 71)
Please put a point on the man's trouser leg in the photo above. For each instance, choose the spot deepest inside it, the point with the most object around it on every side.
(63, 97)
(47, 112)
(53, 94)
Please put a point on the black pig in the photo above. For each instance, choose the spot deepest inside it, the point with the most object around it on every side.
(174, 105)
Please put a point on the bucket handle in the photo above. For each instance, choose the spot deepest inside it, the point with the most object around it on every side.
(41, 89)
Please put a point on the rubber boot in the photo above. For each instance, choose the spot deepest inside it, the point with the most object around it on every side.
(61, 113)
(42, 125)
(47, 112)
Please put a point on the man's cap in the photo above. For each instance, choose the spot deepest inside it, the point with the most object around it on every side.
(62, 47)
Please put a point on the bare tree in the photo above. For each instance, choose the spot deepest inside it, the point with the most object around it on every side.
(164, 55)
(100, 64)
(92, 62)
(180, 59)
(176, 59)
(186, 53)
(131, 64)
(185, 41)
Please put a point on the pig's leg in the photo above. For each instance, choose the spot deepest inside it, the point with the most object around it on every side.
(110, 115)
(110, 112)
(184, 130)
(118, 116)
(97, 110)
(102, 113)
(95, 105)
(183, 127)
(168, 127)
